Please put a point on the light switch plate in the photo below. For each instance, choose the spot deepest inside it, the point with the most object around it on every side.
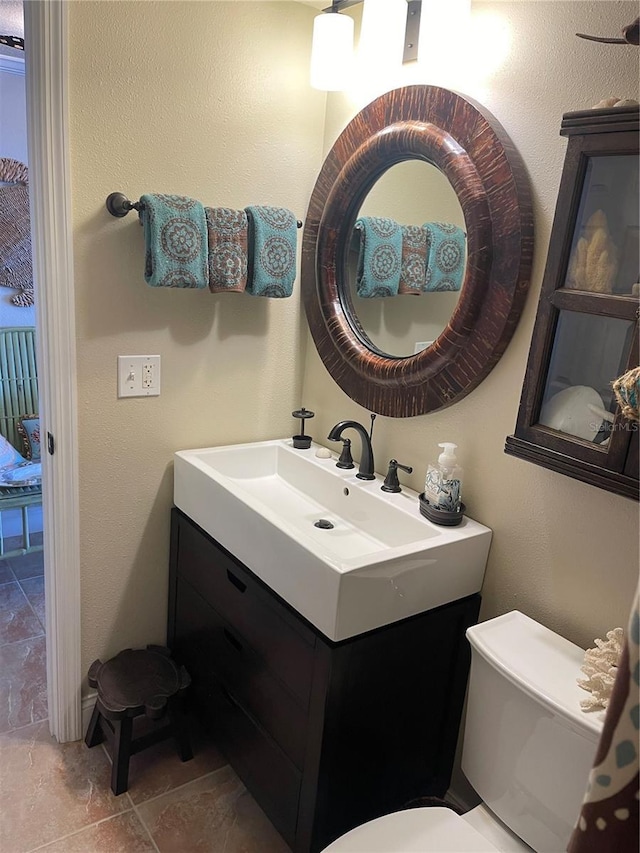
(138, 375)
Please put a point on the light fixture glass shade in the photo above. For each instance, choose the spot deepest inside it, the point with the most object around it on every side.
(382, 35)
(332, 52)
(444, 31)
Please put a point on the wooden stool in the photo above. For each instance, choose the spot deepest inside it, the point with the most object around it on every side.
(135, 682)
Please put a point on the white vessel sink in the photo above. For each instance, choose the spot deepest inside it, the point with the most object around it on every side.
(379, 562)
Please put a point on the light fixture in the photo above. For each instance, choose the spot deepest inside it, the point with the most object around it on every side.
(390, 28)
(332, 49)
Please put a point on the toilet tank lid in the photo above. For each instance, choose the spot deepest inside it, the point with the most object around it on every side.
(539, 662)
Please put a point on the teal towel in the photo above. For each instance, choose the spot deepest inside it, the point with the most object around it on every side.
(175, 234)
(446, 249)
(273, 236)
(380, 259)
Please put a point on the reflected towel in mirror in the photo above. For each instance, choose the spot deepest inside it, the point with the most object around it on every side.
(380, 257)
(273, 235)
(227, 233)
(446, 251)
(413, 274)
(175, 234)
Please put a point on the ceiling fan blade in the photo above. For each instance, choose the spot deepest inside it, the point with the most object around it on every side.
(602, 39)
(631, 35)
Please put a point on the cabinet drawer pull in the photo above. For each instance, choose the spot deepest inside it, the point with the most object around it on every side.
(236, 581)
(231, 639)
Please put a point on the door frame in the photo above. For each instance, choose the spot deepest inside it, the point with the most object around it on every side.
(47, 89)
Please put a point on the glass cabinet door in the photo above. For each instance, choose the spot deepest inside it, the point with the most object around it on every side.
(588, 353)
(605, 245)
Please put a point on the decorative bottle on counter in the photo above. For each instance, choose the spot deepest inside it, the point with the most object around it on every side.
(443, 483)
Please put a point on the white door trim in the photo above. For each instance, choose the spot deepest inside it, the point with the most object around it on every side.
(50, 199)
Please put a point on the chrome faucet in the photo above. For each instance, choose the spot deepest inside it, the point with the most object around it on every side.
(366, 468)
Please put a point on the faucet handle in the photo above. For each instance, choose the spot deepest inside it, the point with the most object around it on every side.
(391, 482)
(346, 459)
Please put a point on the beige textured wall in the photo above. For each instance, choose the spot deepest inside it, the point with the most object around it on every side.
(204, 99)
(563, 552)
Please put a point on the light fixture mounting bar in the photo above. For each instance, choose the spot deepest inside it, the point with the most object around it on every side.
(339, 5)
(412, 32)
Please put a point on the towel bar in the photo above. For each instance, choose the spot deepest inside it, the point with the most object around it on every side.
(119, 205)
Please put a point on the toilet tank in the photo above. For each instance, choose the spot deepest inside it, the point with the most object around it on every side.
(528, 746)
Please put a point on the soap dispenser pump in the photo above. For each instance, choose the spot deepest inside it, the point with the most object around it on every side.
(443, 483)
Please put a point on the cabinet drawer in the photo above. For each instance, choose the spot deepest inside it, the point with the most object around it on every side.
(265, 770)
(204, 634)
(282, 641)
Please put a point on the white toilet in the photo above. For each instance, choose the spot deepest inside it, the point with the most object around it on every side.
(528, 749)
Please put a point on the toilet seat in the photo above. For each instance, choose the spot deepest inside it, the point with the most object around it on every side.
(427, 830)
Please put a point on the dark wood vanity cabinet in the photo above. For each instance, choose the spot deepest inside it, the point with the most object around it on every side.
(586, 331)
(324, 735)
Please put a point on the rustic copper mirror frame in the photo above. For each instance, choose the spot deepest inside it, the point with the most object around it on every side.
(472, 149)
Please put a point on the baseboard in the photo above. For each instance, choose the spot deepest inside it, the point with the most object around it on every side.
(88, 704)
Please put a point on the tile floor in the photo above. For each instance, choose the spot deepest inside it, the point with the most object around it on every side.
(56, 797)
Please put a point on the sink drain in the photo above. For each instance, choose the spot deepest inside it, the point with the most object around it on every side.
(323, 524)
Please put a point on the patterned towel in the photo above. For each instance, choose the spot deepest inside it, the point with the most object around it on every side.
(380, 259)
(608, 819)
(413, 275)
(227, 232)
(446, 249)
(273, 236)
(175, 233)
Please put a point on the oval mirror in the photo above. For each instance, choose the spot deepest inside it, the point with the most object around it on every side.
(444, 131)
(413, 193)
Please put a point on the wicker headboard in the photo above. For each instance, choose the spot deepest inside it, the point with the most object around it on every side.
(18, 379)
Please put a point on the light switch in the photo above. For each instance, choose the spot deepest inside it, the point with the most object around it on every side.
(138, 375)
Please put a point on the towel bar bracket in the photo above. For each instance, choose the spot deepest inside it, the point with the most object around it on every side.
(119, 205)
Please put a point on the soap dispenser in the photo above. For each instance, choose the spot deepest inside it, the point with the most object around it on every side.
(443, 483)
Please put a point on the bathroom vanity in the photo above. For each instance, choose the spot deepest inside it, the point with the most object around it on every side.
(325, 734)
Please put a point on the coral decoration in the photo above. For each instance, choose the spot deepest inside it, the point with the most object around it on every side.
(601, 667)
(594, 262)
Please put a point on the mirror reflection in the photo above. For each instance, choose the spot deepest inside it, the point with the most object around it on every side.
(402, 309)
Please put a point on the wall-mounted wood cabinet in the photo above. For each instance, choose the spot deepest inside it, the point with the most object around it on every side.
(586, 330)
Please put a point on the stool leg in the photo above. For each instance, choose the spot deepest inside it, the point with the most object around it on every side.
(121, 754)
(94, 734)
(180, 727)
